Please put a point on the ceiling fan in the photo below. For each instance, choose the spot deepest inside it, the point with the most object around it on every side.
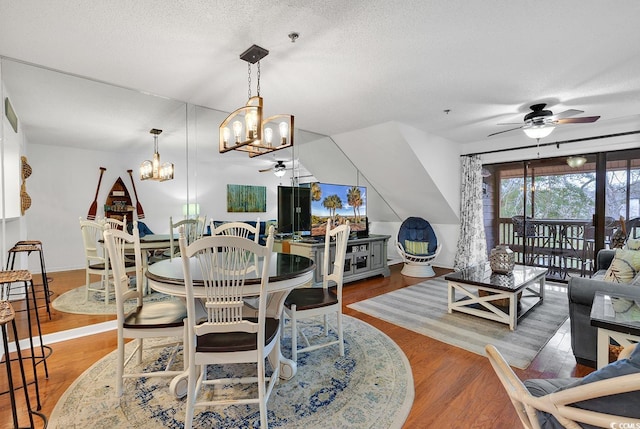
(279, 169)
(539, 123)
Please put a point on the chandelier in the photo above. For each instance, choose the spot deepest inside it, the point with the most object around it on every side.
(153, 169)
(246, 130)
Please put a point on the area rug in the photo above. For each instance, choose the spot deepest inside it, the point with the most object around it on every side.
(75, 301)
(422, 308)
(370, 387)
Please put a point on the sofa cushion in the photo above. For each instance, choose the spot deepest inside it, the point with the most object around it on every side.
(623, 404)
(624, 267)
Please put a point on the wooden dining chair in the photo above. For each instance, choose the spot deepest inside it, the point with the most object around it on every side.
(240, 229)
(304, 303)
(193, 230)
(97, 258)
(146, 320)
(225, 335)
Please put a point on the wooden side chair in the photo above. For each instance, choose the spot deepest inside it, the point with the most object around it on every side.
(97, 258)
(226, 335)
(193, 230)
(303, 303)
(609, 395)
(146, 320)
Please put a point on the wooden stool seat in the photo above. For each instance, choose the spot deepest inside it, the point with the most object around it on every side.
(28, 246)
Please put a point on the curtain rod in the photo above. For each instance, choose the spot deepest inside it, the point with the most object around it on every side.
(557, 143)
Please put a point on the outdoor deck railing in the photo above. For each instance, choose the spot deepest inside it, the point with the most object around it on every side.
(564, 246)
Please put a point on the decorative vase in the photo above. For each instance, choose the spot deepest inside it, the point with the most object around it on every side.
(502, 259)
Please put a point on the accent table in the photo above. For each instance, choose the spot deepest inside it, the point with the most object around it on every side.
(617, 318)
(475, 281)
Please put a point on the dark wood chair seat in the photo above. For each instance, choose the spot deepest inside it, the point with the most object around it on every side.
(127, 264)
(308, 298)
(236, 341)
(155, 315)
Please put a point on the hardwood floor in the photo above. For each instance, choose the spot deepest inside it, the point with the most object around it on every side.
(453, 388)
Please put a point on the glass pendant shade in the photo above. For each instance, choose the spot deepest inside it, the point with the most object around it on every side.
(576, 161)
(538, 131)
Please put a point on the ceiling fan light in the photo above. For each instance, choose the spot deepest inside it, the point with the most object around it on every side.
(538, 131)
(576, 161)
(280, 170)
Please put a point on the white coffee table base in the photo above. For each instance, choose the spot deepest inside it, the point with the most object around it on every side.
(471, 301)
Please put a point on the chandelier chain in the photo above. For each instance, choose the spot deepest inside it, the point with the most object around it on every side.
(249, 79)
(258, 88)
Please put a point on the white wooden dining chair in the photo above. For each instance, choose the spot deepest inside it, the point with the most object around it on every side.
(146, 320)
(239, 229)
(303, 303)
(97, 258)
(193, 230)
(227, 335)
(117, 223)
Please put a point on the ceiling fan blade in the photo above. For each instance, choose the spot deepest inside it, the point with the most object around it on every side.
(566, 114)
(580, 120)
(504, 131)
(264, 170)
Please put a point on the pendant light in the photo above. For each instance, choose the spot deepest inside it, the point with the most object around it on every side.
(245, 129)
(153, 169)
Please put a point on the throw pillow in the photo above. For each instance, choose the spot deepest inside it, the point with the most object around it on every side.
(633, 244)
(416, 247)
(624, 267)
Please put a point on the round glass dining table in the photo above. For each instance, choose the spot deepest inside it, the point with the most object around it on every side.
(286, 271)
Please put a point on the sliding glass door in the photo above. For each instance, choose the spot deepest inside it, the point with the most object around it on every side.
(622, 191)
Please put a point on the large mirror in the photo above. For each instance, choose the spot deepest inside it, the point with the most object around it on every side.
(70, 126)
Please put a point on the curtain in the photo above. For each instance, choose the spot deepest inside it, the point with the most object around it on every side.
(472, 244)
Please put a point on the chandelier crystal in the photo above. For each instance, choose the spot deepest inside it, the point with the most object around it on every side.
(245, 129)
(154, 170)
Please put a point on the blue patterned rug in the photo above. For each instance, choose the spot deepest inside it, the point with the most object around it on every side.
(75, 301)
(370, 387)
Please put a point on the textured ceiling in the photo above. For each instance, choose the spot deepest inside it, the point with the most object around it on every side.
(357, 63)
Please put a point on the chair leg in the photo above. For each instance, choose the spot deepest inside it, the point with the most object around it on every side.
(106, 289)
(192, 381)
(262, 393)
(140, 344)
(87, 283)
(120, 367)
(340, 333)
(326, 326)
(294, 335)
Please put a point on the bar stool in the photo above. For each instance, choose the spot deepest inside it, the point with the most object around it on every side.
(7, 279)
(7, 315)
(29, 246)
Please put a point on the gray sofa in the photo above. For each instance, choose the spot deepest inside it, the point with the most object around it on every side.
(581, 293)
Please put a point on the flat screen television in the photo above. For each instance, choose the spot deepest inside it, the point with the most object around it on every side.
(338, 203)
(294, 210)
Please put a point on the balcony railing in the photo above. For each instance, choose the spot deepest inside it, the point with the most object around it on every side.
(564, 246)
